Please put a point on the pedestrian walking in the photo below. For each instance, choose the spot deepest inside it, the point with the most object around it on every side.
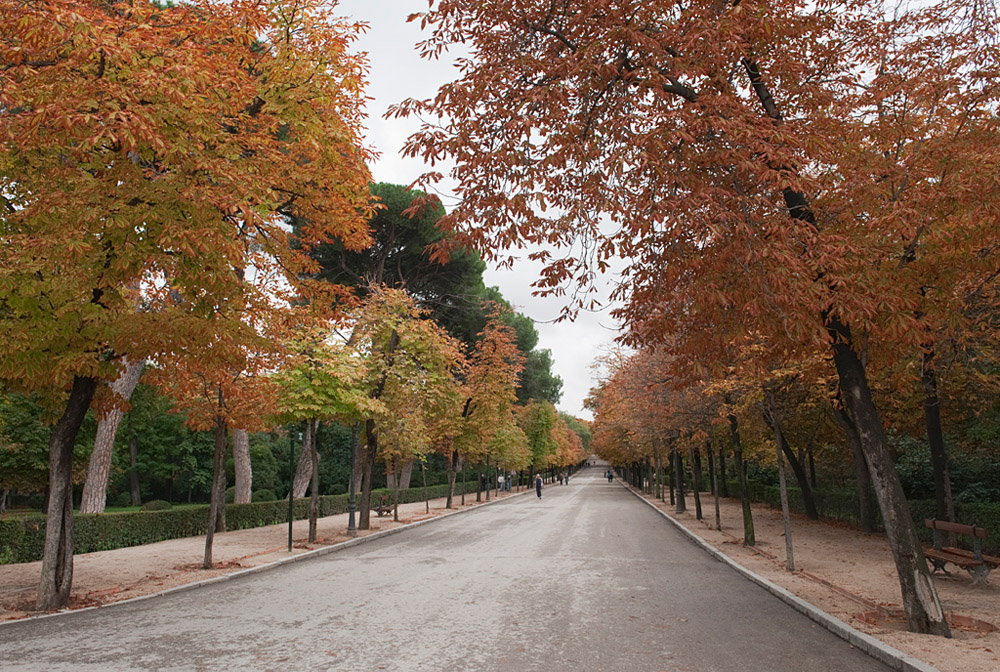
(499, 483)
(611, 476)
(538, 486)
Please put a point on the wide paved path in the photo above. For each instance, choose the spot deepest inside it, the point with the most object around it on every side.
(587, 578)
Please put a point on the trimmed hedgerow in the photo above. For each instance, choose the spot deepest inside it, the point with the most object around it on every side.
(843, 506)
(22, 539)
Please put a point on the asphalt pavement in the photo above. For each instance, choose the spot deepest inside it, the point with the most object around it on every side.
(587, 578)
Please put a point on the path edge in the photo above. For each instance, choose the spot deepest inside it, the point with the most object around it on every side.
(880, 651)
(316, 552)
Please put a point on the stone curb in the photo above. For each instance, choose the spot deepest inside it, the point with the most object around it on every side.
(878, 650)
(333, 548)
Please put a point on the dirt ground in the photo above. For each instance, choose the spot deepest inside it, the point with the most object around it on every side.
(838, 569)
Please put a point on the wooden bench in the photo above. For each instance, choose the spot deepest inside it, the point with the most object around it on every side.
(974, 562)
(384, 506)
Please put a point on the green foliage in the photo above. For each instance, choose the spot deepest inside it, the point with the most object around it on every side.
(22, 539)
(24, 442)
(157, 505)
(230, 494)
(581, 430)
(263, 496)
(537, 380)
(122, 499)
(400, 257)
(975, 476)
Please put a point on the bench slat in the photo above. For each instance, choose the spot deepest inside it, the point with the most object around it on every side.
(957, 528)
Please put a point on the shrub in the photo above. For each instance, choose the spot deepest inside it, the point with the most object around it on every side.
(22, 539)
(263, 496)
(123, 499)
(230, 494)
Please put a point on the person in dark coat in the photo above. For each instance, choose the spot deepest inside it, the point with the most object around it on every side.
(538, 486)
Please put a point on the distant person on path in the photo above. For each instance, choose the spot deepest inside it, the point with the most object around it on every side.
(566, 479)
(560, 479)
(611, 476)
(499, 483)
(538, 486)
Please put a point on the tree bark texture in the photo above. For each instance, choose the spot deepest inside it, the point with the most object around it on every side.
(714, 475)
(303, 470)
(771, 416)
(749, 539)
(241, 466)
(808, 501)
(920, 600)
(314, 483)
(681, 505)
(866, 507)
(368, 452)
(723, 483)
(95, 489)
(945, 507)
(217, 500)
(406, 475)
(696, 477)
(452, 469)
(57, 555)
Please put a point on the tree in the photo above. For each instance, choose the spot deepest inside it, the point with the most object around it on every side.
(483, 420)
(321, 380)
(173, 159)
(401, 351)
(404, 231)
(95, 488)
(713, 146)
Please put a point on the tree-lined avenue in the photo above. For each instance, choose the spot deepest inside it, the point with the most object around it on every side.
(587, 578)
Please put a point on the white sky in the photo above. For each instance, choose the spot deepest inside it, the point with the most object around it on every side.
(397, 72)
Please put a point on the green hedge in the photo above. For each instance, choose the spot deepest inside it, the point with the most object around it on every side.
(22, 539)
(843, 506)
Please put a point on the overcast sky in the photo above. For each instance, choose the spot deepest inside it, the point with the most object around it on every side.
(397, 72)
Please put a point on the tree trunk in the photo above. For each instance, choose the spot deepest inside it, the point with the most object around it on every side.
(812, 467)
(217, 505)
(696, 473)
(3, 499)
(368, 453)
(451, 466)
(303, 470)
(679, 482)
(785, 519)
(808, 501)
(57, 555)
(920, 600)
(772, 419)
(724, 484)
(670, 476)
(241, 466)
(314, 489)
(95, 489)
(406, 475)
(866, 507)
(133, 472)
(749, 539)
(714, 474)
(944, 506)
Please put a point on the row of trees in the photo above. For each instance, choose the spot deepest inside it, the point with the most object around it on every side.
(812, 182)
(181, 188)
